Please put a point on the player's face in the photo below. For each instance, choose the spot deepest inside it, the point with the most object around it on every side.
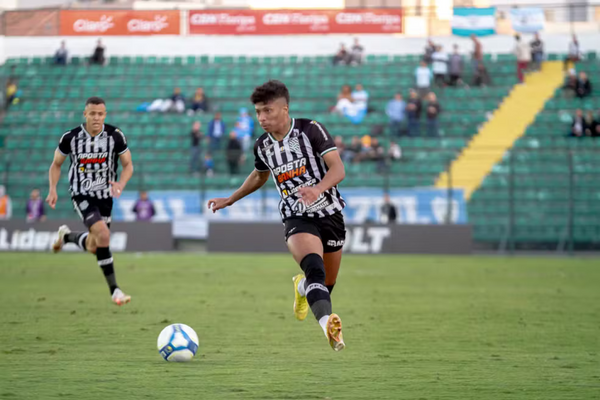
(272, 116)
(94, 114)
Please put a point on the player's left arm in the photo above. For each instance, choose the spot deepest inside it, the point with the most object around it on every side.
(126, 173)
(324, 145)
(124, 153)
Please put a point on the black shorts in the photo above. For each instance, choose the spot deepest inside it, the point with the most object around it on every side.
(92, 209)
(331, 230)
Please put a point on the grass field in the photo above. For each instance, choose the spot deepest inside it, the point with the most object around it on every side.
(415, 328)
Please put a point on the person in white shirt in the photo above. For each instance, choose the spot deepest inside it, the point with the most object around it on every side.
(574, 53)
(440, 66)
(360, 97)
(423, 79)
(523, 53)
(357, 52)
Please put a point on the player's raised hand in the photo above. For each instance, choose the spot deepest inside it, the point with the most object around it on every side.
(308, 195)
(116, 189)
(51, 199)
(218, 204)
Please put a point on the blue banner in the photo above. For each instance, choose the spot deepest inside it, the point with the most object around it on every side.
(415, 206)
(474, 21)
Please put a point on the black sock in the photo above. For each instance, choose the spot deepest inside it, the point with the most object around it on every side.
(78, 238)
(330, 288)
(105, 261)
(317, 294)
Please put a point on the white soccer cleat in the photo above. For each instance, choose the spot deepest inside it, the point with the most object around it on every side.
(120, 298)
(60, 240)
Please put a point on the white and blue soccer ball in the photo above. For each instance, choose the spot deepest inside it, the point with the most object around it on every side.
(177, 343)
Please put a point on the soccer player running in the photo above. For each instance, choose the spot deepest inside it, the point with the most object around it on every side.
(302, 158)
(94, 149)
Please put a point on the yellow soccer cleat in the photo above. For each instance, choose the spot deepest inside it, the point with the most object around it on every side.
(334, 333)
(300, 303)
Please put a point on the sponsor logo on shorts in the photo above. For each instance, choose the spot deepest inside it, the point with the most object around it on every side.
(335, 243)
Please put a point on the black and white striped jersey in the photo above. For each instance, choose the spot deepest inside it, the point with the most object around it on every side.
(94, 159)
(295, 162)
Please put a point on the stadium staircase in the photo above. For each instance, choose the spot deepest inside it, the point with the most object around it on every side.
(508, 123)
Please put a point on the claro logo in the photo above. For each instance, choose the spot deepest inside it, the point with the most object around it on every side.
(85, 25)
(139, 25)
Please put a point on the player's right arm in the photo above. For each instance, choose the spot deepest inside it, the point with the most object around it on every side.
(253, 182)
(53, 177)
(60, 155)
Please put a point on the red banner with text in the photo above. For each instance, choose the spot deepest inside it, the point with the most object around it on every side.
(294, 22)
(117, 22)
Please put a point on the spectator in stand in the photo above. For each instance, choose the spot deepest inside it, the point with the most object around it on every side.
(574, 54)
(5, 204)
(342, 57)
(216, 130)
(357, 55)
(537, 51)
(199, 102)
(433, 112)
(413, 113)
(143, 208)
(234, 153)
(389, 214)
(423, 79)
(353, 151)
(523, 53)
(591, 125)
(196, 135)
(98, 57)
(429, 50)
(245, 128)
(440, 66)
(341, 147)
(344, 100)
(477, 55)
(61, 55)
(481, 77)
(174, 103)
(570, 87)
(209, 165)
(583, 88)
(35, 207)
(377, 153)
(394, 152)
(13, 94)
(456, 66)
(396, 112)
(578, 126)
(360, 97)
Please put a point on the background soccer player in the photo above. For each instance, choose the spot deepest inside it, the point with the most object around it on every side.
(94, 149)
(306, 167)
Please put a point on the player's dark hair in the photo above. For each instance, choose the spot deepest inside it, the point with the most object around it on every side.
(95, 100)
(270, 91)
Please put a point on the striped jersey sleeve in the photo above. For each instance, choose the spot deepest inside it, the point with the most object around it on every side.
(320, 139)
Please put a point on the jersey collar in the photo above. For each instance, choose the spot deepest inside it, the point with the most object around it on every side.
(89, 134)
(286, 135)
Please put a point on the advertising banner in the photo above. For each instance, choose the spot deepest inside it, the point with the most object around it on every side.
(267, 237)
(122, 23)
(294, 22)
(415, 206)
(468, 21)
(130, 236)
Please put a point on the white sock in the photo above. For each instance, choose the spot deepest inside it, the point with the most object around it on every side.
(301, 288)
(323, 323)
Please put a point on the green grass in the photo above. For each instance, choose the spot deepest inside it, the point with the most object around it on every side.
(415, 328)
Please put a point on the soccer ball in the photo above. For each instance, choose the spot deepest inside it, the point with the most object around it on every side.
(178, 343)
